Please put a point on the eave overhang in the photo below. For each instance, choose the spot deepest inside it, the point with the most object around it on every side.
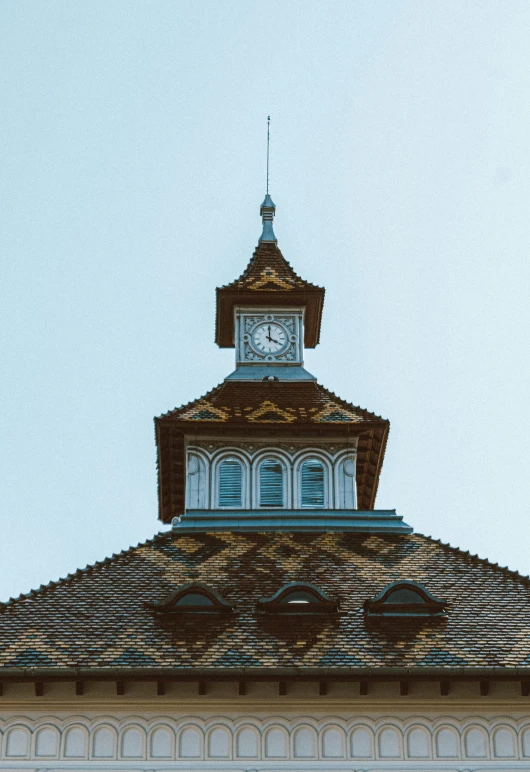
(370, 674)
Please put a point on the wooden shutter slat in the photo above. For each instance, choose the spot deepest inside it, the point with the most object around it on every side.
(230, 483)
(271, 484)
(312, 484)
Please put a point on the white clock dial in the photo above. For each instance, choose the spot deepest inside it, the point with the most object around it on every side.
(269, 338)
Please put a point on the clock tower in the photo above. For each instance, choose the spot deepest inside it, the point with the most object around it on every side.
(270, 313)
(267, 335)
(270, 447)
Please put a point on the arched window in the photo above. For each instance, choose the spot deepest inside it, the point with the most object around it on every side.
(271, 483)
(297, 598)
(190, 598)
(312, 483)
(347, 485)
(405, 598)
(196, 483)
(230, 483)
(194, 599)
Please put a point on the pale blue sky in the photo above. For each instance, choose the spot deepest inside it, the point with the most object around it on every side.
(132, 170)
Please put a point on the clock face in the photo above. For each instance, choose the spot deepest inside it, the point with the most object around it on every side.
(270, 338)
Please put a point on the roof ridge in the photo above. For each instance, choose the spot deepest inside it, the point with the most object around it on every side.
(88, 569)
(476, 558)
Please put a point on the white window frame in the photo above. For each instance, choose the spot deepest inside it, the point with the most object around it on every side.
(338, 472)
(205, 462)
(224, 455)
(308, 455)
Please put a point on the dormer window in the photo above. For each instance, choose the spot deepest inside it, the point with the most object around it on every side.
(312, 484)
(230, 484)
(405, 599)
(194, 599)
(298, 598)
(191, 598)
(271, 483)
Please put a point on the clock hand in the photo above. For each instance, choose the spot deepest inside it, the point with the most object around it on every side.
(271, 339)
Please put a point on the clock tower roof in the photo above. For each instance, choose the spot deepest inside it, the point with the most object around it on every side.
(268, 281)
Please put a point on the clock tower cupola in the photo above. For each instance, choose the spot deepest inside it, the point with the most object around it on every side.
(269, 314)
(270, 448)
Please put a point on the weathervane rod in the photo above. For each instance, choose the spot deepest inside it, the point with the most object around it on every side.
(268, 148)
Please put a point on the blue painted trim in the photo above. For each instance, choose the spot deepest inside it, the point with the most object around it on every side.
(367, 521)
(260, 370)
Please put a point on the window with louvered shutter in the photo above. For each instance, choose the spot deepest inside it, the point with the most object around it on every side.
(230, 483)
(312, 483)
(271, 483)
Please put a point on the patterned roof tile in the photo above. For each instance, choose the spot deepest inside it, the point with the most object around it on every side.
(269, 270)
(272, 402)
(98, 617)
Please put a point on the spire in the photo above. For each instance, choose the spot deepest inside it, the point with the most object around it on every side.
(267, 212)
(268, 209)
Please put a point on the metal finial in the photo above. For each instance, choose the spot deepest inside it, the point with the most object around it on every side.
(268, 209)
(268, 148)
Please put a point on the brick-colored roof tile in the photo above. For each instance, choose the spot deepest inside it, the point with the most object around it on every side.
(272, 402)
(268, 270)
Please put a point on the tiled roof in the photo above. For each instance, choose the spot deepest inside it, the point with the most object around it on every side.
(276, 402)
(268, 270)
(268, 281)
(98, 618)
(303, 407)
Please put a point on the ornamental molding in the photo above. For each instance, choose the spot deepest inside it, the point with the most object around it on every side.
(290, 448)
(420, 741)
(247, 321)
